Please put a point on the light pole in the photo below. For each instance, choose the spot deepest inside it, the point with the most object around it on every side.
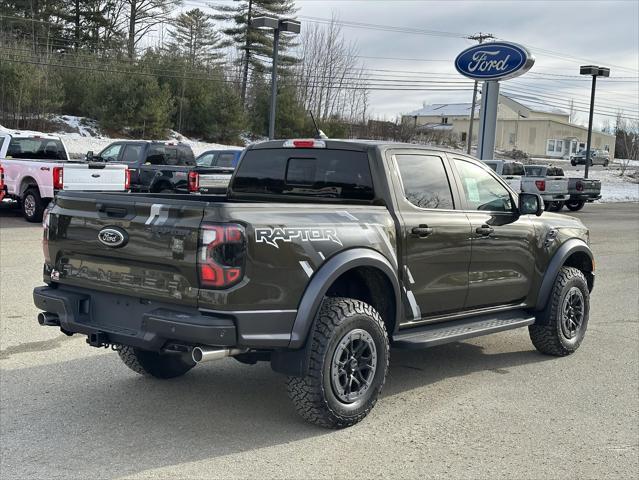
(595, 72)
(277, 25)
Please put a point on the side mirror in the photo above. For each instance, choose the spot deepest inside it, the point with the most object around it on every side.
(530, 204)
(90, 156)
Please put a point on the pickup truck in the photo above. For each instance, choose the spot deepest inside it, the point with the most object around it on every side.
(214, 169)
(549, 182)
(510, 171)
(37, 165)
(581, 191)
(322, 255)
(156, 167)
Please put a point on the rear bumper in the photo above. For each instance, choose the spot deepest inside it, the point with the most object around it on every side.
(135, 322)
(585, 197)
(555, 198)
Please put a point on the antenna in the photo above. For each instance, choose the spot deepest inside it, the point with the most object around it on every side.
(320, 135)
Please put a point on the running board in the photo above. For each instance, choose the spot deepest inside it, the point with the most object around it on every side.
(454, 331)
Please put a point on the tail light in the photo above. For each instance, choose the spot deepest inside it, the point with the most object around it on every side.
(580, 187)
(58, 178)
(46, 223)
(127, 179)
(221, 255)
(541, 185)
(194, 181)
(1, 183)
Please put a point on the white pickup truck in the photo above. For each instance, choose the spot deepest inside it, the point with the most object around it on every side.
(511, 171)
(549, 182)
(36, 165)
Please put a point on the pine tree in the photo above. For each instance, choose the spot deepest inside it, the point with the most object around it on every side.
(254, 45)
(195, 38)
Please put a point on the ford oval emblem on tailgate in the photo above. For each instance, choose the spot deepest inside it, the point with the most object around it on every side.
(113, 237)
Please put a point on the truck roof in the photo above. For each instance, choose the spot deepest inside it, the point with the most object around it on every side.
(27, 133)
(348, 144)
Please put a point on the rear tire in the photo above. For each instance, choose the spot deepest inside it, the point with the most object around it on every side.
(32, 205)
(575, 205)
(561, 326)
(349, 354)
(158, 365)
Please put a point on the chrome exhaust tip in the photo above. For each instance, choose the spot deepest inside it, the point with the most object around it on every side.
(206, 354)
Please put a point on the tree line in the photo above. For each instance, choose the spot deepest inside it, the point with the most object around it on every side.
(141, 67)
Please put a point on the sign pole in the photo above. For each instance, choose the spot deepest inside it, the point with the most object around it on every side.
(488, 120)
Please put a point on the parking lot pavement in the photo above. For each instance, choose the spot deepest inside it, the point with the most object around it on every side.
(487, 408)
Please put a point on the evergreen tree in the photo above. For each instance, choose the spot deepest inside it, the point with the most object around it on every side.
(195, 38)
(254, 45)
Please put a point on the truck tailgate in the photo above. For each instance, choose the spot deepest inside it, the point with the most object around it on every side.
(126, 244)
(556, 185)
(94, 177)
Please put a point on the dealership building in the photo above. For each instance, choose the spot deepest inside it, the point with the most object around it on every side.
(540, 131)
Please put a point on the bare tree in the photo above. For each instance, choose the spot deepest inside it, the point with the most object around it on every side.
(332, 82)
(143, 16)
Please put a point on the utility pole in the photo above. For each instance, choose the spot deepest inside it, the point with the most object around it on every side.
(480, 37)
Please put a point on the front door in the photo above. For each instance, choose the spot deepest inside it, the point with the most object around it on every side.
(502, 263)
(434, 233)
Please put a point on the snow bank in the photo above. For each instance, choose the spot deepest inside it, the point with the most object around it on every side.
(615, 188)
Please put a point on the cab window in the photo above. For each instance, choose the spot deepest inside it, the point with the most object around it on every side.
(206, 160)
(483, 191)
(110, 154)
(425, 181)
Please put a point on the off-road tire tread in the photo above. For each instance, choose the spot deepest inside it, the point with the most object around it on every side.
(545, 337)
(135, 359)
(307, 393)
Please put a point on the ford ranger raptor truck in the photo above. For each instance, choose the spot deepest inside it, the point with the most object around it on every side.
(321, 256)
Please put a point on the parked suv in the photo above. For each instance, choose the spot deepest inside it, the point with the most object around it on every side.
(321, 256)
(597, 157)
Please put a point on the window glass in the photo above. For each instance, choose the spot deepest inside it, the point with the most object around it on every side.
(205, 160)
(110, 154)
(493, 166)
(559, 146)
(482, 190)
(425, 181)
(554, 172)
(533, 171)
(225, 160)
(340, 174)
(551, 145)
(185, 156)
(36, 148)
(131, 153)
(514, 168)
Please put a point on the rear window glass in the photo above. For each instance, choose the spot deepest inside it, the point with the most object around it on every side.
(225, 160)
(492, 165)
(160, 154)
(338, 174)
(36, 148)
(554, 172)
(535, 171)
(513, 168)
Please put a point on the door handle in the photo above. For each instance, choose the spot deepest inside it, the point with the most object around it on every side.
(422, 231)
(485, 230)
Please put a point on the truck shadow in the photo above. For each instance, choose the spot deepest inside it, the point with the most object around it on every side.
(91, 416)
(11, 216)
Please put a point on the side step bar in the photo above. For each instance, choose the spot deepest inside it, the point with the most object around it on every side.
(454, 331)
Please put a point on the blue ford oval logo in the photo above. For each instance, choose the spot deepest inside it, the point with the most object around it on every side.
(494, 61)
(113, 237)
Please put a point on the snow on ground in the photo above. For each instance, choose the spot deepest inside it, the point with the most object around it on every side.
(615, 188)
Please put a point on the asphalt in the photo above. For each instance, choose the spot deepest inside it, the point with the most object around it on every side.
(491, 407)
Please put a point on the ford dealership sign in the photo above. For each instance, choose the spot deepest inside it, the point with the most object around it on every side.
(494, 61)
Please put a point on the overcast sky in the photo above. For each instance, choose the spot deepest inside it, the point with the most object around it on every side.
(561, 34)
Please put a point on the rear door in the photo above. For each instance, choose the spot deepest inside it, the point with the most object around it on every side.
(157, 256)
(502, 262)
(435, 234)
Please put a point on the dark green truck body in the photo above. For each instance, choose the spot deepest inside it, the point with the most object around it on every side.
(419, 259)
